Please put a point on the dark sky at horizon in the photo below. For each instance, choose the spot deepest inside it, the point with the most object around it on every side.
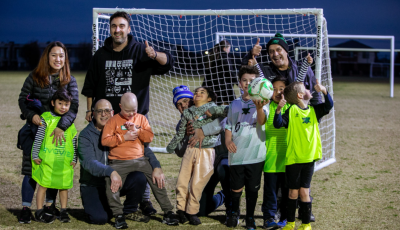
(70, 21)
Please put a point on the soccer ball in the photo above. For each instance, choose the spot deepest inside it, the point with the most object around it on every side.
(260, 88)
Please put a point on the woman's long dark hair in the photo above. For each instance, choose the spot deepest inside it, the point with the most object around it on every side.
(42, 72)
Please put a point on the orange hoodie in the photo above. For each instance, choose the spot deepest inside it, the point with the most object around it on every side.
(113, 137)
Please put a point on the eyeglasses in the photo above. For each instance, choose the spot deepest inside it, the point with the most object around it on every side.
(106, 111)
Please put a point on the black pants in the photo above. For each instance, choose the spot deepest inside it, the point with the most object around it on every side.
(209, 202)
(272, 183)
(94, 199)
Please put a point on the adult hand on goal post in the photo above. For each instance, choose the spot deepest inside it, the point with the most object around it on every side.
(256, 51)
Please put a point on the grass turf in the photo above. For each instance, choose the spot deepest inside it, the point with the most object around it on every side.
(360, 191)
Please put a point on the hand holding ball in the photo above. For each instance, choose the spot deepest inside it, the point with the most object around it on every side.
(260, 89)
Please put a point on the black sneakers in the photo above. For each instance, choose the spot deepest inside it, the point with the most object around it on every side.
(233, 219)
(170, 219)
(137, 216)
(55, 210)
(182, 217)
(25, 216)
(45, 215)
(120, 222)
(250, 223)
(147, 208)
(194, 220)
(64, 217)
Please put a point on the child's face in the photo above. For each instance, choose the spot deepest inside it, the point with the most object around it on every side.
(201, 96)
(128, 110)
(245, 82)
(279, 86)
(306, 94)
(61, 107)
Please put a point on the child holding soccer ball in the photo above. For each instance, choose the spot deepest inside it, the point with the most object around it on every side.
(244, 138)
(53, 166)
(303, 146)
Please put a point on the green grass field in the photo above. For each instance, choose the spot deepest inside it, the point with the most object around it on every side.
(360, 191)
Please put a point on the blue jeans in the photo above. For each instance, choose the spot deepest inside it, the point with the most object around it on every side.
(28, 189)
(94, 199)
(272, 183)
(209, 202)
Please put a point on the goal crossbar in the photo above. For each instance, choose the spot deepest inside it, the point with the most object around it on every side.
(309, 11)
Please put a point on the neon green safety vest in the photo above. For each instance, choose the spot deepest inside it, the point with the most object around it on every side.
(275, 142)
(55, 170)
(303, 138)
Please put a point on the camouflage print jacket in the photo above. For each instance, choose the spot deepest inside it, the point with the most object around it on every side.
(198, 118)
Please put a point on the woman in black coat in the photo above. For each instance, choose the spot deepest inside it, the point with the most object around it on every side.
(52, 73)
(222, 75)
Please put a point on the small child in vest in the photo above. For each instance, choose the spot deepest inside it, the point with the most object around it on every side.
(274, 168)
(197, 165)
(303, 146)
(53, 166)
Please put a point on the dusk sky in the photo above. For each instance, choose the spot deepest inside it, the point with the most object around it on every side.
(70, 21)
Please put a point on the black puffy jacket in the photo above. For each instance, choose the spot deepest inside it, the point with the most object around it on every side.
(44, 96)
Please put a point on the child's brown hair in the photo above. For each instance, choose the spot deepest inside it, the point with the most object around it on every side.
(249, 70)
(291, 92)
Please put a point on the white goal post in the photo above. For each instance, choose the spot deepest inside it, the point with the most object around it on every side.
(190, 35)
(392, 51)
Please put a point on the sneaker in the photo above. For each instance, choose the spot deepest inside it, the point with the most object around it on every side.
(170, 218)
(137, 216)
(282, 224)
(55, 210)
(25, 216)
(120, 222)
(250, 223)
(147, 208)
(182, 217)
(194, 220)
(233, 219)
(289, 226)
(48, 215)
(305, 227)
(312, 218)
(64, 217)
(44, 215)
(270, 224)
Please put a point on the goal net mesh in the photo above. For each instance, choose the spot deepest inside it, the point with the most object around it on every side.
(190, 40)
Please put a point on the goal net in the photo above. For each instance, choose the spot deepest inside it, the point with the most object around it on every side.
(190, 36)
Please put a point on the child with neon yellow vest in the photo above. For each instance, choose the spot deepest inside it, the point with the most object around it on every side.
(303, 146)
(53, 166)
(274, 168)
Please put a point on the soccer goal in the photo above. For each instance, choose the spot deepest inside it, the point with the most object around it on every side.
(190, 35)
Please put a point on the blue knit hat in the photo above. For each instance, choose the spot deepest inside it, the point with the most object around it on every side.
(180, 92)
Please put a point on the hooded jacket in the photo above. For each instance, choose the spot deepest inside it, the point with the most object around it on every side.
(270, 72)
(111, 74)
(44, 95)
